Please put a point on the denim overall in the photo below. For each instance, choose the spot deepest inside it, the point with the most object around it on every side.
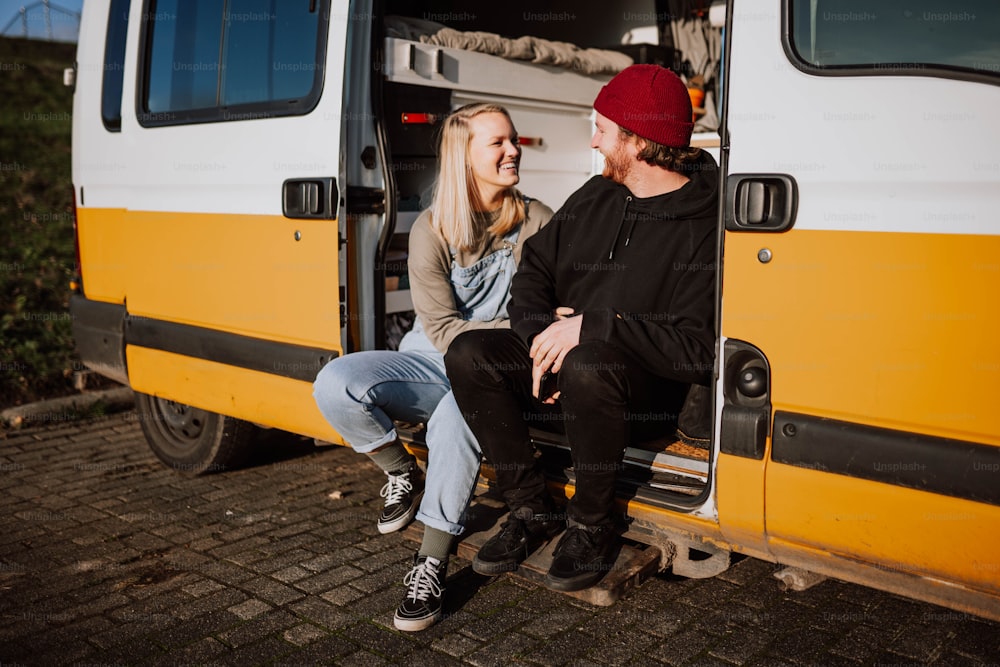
(360, 394)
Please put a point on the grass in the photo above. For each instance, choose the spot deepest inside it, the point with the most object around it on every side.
(37, 358)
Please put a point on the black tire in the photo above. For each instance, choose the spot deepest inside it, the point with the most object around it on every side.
(191, 440)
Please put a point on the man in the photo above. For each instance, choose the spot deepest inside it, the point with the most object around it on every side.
(612, 320)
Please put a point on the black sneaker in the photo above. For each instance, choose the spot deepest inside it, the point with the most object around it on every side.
(402, 495)
(582, 557)
(520, 535)
(424, 594)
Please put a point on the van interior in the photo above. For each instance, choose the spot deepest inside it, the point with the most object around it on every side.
(590, 43)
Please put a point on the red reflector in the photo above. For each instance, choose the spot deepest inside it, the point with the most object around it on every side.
(76, 282)
(420, 118)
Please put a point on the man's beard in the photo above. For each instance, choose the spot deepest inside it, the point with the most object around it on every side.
(616, 166)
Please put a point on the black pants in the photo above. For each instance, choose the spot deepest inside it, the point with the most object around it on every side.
(608, 399)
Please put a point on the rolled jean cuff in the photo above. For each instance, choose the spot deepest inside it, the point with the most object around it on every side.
(440, 524)
(372, 446)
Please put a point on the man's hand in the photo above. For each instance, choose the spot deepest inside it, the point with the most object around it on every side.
(550, 347)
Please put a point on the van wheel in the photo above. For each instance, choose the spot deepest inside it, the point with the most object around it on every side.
(191, 440)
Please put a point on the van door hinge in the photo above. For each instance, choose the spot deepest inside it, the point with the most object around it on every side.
(361, 200)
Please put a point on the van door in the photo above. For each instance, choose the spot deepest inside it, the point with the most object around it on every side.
(225, 222)
(861, 261)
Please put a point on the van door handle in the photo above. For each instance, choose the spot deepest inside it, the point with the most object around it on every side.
(760, 202)
(310, 198)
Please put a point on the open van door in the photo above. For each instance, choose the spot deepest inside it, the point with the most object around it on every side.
(861, 288)
(225, 159)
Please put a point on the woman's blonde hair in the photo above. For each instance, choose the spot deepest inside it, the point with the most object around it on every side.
(456, 200)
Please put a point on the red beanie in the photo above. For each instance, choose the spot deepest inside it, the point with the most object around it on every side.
(650, 101)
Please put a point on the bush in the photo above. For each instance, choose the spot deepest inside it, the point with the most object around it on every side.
(37, 358)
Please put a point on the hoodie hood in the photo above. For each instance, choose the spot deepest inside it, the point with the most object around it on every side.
(696, 199)
(654, 297)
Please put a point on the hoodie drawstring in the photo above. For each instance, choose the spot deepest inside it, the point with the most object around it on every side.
(621, 223)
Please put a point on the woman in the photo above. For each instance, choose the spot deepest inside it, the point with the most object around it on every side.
(463, 252)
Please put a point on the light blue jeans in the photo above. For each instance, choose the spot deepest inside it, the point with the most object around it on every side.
(361, 393)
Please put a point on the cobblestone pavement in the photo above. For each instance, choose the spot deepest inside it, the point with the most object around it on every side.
(107, 557)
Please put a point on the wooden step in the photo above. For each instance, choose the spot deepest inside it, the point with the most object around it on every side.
(635, 562)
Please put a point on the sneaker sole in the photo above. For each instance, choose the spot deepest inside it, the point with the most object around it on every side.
(416, 624)
(489, 569)
(403, 521)
(572, 584)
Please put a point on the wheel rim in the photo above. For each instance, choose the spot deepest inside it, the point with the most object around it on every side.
(181, 424)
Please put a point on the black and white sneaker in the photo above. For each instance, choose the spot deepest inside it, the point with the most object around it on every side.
(402, 495)
(424, 594)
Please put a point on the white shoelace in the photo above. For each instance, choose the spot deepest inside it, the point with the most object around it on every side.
(423, 580)
(397, 487)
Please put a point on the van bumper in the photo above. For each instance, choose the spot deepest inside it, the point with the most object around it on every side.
(99, 331)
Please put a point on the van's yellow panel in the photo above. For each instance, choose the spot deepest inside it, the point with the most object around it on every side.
(739, 491)
(105, 254)
(889, 329)
(899, 529)
(244, 274)
(271, 400)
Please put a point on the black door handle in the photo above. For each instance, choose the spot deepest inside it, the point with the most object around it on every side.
(310, 198)
(760, 202)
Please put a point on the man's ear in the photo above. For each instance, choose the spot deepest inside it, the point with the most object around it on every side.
(639, 143)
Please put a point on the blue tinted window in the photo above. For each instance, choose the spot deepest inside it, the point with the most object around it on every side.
(265, 53)
(184, 63)
(892, 37)
(218, 58)
(114, 65)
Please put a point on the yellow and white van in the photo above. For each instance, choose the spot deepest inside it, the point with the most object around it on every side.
(246, 171)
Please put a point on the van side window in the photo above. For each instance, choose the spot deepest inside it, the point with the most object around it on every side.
(960, 37)
(114, 65)
(219, 60)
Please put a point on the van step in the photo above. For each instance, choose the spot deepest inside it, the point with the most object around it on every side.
(635, 564)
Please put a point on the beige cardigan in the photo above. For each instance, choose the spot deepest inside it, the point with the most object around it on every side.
(430, 275)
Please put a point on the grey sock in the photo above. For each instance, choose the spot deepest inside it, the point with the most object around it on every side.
(393, 458)
(436, 543)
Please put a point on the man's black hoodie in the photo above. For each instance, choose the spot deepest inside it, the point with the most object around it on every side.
(641, 272)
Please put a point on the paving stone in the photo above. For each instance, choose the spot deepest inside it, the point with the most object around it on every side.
(342, 595)
(194, 629)
(107, 557)
(213, 602)
(376, 639)
(328, 650)
(328, 580)
(456, 645)
(504, 650)
(274, 622)
(291, 574)
(198, 652)
(498, 622)
(922, 643)
(860, 643)
(624, 647)
(362, 659)
(322, 614)
(304, 634)
(739, 648)
(554, 622)
(203, 587)
(250, 609)
(270, 590)
(682, 647)
(802, 646)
